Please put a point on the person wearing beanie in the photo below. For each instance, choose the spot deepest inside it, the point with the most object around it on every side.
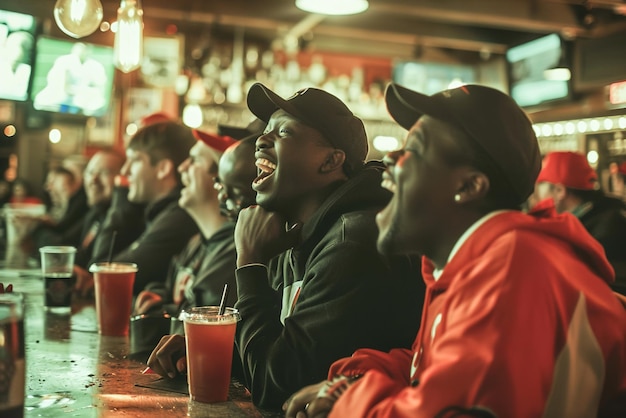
(518, 319)
(568, 180)
(311, 286)
(152, 157)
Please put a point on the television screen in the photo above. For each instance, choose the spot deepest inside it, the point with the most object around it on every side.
(530, 67)
(17, 42)
(430, 78)
(72, 77)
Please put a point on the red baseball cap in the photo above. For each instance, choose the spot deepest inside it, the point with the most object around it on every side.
(570, 169)
(155, 118)
(217, 142)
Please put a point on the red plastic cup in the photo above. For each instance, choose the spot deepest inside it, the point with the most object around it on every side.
(210, 339)
(114, 296)
(12, 360)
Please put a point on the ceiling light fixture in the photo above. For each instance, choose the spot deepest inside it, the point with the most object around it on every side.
(333, 7)
(128, 46)
(78, 18)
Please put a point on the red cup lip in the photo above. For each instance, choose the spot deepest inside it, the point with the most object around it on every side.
(113, 267)
(209, 315)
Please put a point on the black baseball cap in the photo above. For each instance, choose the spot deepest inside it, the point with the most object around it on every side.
(319, 110)
(492, 119)
(255, 127)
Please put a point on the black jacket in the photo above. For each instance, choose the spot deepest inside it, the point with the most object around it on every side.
(206, 264)
(67, 230)
(605, 219)
(168, 228)
(92, 224)
(334, 292)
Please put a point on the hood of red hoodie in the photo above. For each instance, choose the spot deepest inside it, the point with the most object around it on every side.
(565, 227)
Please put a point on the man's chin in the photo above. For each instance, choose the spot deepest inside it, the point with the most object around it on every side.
(387, 236)
(383, 245)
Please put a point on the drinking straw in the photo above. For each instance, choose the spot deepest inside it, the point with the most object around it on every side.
(223, 301)
(111, 247)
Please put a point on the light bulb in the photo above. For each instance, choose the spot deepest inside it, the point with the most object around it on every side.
(129, 36)
(78, 18)
(333, 7)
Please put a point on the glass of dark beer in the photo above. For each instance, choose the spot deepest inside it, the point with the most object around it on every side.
(57, 265)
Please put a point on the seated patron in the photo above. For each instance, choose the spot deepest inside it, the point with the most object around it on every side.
(98, 180)
(311, 286)
(66, 190)
(518, 319)
(197, 275)
(21, 193)
(567, 180)
(152, 157)
(204, 277)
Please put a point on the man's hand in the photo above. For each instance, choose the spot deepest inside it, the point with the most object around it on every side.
(261, 235)
(147, 300)
(307, 403)
(168, 358)
(84, 281)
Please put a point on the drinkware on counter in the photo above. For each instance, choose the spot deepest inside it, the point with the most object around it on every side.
(113, 283)
(57, 265)
(12, 364)
(20, 220)
(210, 339)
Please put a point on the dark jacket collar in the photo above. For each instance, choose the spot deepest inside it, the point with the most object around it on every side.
(361, 192)
(153, 209)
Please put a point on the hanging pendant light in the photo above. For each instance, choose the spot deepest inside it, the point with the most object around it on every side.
(78, 18)
(128, 47)
(333, 7)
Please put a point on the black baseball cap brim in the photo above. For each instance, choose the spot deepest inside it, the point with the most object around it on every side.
(238, 132)
(497, 126)
(263, 103)
(407, 106)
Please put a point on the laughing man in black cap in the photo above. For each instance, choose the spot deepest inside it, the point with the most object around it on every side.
(311, 286)
(519, 320)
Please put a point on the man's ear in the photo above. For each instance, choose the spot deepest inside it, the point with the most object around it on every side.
(473, 185)
(165, 168)
(334, 161)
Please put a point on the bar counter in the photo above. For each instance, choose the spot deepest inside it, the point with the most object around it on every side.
(73, 371)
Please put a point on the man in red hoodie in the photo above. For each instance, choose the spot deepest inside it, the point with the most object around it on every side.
(518, 320)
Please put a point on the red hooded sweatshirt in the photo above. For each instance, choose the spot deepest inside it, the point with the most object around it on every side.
(521, 323)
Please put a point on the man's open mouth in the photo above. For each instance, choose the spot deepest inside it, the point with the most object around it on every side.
(387, 183)
(266, 169)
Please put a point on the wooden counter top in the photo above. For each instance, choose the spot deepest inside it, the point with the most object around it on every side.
(72, 371)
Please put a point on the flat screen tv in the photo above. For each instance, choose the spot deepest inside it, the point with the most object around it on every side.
(17, 44)
(430, 78)
(72, 77)
(530, 65)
